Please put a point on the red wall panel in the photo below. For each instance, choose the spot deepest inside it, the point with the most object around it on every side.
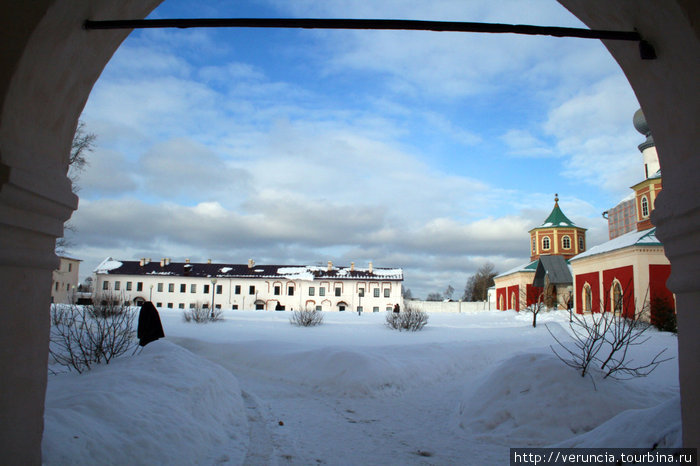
(625, 275)
(594, 282)
(501, 296)
(514, 297)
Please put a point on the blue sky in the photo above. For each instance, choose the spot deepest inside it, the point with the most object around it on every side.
(434, 152)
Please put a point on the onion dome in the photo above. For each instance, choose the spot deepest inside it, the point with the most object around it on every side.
(640, 124)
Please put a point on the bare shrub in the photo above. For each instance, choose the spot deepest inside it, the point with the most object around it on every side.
(605, 339)
(82, 336)
(306, 318)
(202, 315)
(410, 318)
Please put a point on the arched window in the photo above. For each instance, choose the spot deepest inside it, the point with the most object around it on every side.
(580, 243)
(616, 296)
(566, 242)
(645, 207)
(545, 243)
(587, 298)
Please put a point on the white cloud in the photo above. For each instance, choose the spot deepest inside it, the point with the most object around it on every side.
(353, 146)
(523, 144)
(594, 129)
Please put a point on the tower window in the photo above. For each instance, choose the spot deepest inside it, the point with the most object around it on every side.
(645, 207)
(545, 243)
(533, 245)
(580, 243)
(566, 242)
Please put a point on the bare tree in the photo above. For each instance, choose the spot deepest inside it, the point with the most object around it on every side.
(449, 291)
(406, 293)
(434, 297)
(605, 339)
(83, 143)
(544, 297)
(478, 284)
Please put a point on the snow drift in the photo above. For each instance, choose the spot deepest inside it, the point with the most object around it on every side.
(135, 410)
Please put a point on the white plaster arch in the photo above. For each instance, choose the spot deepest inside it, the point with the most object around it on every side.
(48, 65)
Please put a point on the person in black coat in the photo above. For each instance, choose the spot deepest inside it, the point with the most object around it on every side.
(149, 329)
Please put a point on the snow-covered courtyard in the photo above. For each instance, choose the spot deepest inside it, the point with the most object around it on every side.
(255, 390)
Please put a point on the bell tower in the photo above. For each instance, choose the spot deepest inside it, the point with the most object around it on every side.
(557, 236)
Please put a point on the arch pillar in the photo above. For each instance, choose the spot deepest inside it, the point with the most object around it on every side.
(667, 89)
(48, 66)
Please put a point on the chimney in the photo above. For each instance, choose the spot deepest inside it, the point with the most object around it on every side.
(371, 269)
(330, 265)
(187, 261)
(208, 261)
(147, 261)
(162, 262)
(167, 261)
(352, 266)
(142, 261)
(251, 263)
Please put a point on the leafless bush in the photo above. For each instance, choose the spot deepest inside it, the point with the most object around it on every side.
(605, 339)
(202, 315)
(82, 336)
(587, 333)
(306, 318)
(410, 318)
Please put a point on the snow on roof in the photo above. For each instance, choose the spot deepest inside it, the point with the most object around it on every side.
(633, 238)
(225, 269)
(526, 267)
(297, 273)
(107, 265)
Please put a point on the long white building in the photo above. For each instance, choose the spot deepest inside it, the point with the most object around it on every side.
(185, 285)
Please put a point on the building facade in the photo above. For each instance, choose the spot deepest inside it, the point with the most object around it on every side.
(65, 281)
(557, 236)
(622, 218)
(628, 273)
(186, 285)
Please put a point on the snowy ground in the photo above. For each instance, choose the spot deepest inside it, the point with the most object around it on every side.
(255, 390)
